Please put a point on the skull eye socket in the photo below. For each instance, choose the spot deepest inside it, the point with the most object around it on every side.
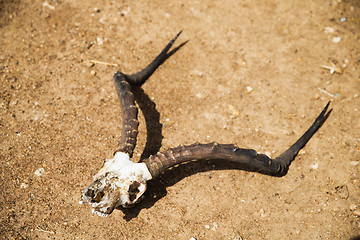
(90, 193)
(134, 190)
(98, 197)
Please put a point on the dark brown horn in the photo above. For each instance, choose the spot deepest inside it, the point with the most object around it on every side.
(159, 162)
(129, 111)
(140, 77)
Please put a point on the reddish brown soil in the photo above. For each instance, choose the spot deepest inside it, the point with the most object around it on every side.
(61, 114)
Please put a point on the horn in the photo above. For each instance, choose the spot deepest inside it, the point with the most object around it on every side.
(140, 77)
(160, 162)
(129, 111)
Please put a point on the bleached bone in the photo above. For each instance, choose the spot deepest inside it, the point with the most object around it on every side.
(121, 182)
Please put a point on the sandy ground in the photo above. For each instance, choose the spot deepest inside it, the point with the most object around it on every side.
(250, 74)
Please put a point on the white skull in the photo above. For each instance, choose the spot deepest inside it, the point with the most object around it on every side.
(120, 182)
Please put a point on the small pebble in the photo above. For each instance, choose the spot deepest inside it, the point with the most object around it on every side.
(89, 64)
(301, 152)
(197, 73)
(343, 19)
(45, 4)
(93, 72)
(329, 30)
(314, 166)
(39, 172)
(249, 89)
(262, 212)
(207, 226)
(215, 226)
(342, 191)
(192, 238)
(99, 41)
(357, 213)
(353, 207)
(354, 163)
(336, 39)
(125, 12)
(199, 95)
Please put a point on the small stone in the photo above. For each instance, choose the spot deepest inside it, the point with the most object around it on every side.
(329, 30)
(46, 4)
(215, 226)
(93, 72)
(262, 212)
(207, 226)
(357, 213)
(192, 238)
(342, 191)
(353, 207)
(249, 89)
(336, 39)
(343, 19)
(354, 163)
(89, 64)
(197, 73)
(314, 166)
(199, 95)
(39, 172)
(99, 41)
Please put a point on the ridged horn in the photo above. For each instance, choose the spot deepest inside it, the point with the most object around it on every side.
(129, 111)
(160, 162)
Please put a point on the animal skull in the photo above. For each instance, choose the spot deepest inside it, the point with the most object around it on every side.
(120, 182)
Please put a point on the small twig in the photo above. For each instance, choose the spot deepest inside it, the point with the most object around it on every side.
(334, 68)
(326, 92)
(104, 63)
(45, 231)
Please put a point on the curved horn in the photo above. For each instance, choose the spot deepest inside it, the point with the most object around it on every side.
(129, 113)
(129, 110)
(159, 162)
(140, 77)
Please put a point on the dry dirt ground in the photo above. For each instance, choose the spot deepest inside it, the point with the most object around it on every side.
(249, 74)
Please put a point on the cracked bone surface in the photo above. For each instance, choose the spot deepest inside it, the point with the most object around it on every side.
(120, 182)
